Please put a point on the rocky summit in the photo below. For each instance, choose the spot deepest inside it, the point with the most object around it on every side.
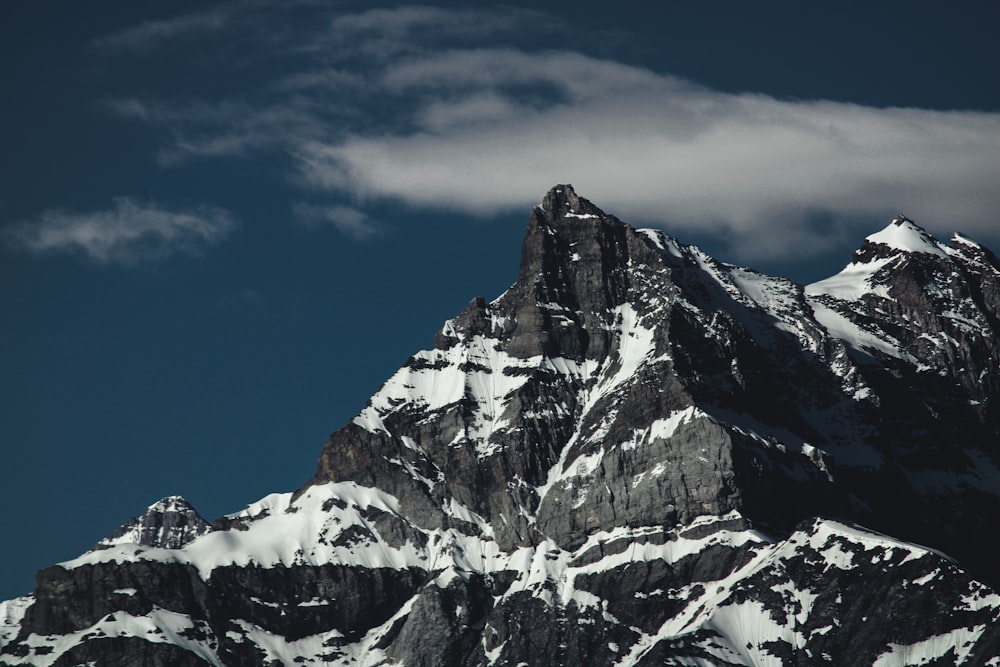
(637, 455)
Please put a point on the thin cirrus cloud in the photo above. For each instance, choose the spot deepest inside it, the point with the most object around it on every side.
(153, 34)
(484, 130)
(383, 32)
(199, 129)
(128, 232)
(350, 221)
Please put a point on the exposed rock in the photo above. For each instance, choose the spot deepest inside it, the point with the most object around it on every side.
(169, 523)
(620, 460)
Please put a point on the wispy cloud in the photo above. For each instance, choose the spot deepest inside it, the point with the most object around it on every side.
(128, 232)
(199, 129)
(260, 23)
(382, 33)
(381, 108)
(351, 222)
(150, 35)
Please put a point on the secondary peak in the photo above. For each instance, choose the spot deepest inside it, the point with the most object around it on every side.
(906, 235)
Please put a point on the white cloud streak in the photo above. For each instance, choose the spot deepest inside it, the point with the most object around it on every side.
(382, 32)
(153, 34)
(227, 129)
(386, 114)
(350, 221)
(126, 233)
(496, 124)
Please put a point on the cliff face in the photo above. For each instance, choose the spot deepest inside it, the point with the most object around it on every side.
(620, 351)
(620, 460)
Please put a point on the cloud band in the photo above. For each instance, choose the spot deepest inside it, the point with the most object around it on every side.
(127, 232)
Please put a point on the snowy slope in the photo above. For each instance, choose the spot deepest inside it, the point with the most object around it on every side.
(620, 460)
(860, 304)
(746, 591)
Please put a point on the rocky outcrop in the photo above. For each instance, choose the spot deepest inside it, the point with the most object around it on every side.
(169, 523)
(288, 602)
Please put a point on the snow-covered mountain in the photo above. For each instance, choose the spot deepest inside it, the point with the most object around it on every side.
(636, 455)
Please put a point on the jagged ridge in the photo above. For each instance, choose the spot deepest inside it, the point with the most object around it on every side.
(615, 462)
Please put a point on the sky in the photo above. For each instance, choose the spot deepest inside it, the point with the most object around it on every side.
(224, 225)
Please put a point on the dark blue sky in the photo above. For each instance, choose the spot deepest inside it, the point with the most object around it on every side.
(223, 226)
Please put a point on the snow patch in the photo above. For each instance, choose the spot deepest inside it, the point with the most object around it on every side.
(840, 327)
(853, 282)
(960, 640)
(11, 615)
(661, 429)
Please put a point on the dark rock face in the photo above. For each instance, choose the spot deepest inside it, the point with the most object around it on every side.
(83, 599)
(618, 461)
(72, 600)
(127, 652)
(937, 418)
(169, 523)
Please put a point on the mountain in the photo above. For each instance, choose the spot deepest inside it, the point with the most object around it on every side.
(169, 523)
(636, 455)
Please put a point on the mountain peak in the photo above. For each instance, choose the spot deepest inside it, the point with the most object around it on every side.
(902, 234)
(169, 523)
(562, 201)
(627, 459)
(170, 504)
(880, 256)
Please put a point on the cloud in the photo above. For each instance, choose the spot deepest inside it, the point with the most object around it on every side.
(376, 109)
(319, 79)
(351, 222)
(258, 23)
(128, 232)
(495, 125)
(199, 129)
(383, 33)
(153, 34)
